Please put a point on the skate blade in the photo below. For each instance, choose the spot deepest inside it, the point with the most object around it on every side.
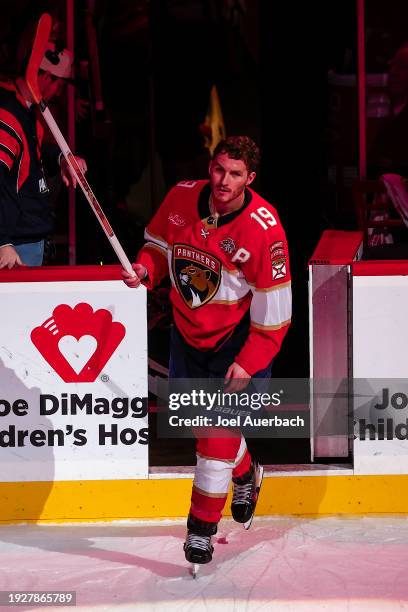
(194, 569)
(258, 483)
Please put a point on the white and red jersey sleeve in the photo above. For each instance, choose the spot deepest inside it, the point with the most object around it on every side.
(268, 274)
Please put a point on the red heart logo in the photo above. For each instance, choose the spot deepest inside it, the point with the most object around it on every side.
(65, 340)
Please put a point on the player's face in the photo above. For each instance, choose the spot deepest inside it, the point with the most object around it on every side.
(228, 178)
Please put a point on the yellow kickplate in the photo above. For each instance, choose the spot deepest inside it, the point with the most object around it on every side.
(169, 498)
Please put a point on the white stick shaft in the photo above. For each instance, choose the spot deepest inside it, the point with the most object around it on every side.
(88, 193)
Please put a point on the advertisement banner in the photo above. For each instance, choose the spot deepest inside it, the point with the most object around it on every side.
(73, 381)
(380, 337)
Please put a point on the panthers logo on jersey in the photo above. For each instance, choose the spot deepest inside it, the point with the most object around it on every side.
(197, 274)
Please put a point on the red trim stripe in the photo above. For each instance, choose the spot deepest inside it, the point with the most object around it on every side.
(24, 165)
(12, 123)
(10, 142)
(61, 274)
(6, 159)
(380, 268)
(205, 503)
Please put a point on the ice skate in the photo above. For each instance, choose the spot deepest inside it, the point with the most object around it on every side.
(198, 550)
(245, 496)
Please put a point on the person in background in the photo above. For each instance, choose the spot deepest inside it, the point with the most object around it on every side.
(25, 213)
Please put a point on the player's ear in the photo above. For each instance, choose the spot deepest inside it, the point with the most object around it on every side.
(251, 178)
(209, 166)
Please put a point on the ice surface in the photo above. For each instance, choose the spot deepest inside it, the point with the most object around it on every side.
(283, 564)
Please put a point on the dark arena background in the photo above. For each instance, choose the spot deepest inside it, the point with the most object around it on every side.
(322, 88)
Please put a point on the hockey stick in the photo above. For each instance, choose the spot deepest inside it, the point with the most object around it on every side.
(39, 48)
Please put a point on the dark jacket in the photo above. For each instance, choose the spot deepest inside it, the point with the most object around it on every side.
(25, 214)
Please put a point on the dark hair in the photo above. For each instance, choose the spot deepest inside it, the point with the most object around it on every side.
(240, 147)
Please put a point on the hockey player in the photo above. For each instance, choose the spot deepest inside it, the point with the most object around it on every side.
(226, 253)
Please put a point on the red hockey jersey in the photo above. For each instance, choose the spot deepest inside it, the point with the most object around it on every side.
(220, 269)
